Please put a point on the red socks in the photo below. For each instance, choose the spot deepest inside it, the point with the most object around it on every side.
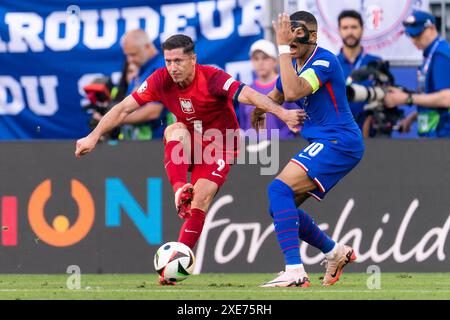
(192, 228)
(176, 164)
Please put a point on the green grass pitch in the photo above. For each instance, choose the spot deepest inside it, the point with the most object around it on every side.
(224, 286)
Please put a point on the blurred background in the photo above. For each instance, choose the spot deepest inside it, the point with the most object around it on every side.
(49, 51)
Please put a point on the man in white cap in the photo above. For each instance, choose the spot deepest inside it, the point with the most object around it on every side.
(263, 56)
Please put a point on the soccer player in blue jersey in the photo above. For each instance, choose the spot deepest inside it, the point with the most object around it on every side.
(313, 78)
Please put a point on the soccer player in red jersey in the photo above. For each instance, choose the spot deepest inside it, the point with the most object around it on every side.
(202, 98)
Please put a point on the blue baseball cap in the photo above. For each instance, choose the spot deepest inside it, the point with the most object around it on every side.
(417, 22)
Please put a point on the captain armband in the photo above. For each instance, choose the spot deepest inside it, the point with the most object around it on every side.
(310, 76)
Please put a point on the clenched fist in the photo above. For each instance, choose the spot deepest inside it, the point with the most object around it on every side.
(85, 145)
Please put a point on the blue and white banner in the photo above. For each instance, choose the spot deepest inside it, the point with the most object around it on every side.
(383, 28)
(50, 49)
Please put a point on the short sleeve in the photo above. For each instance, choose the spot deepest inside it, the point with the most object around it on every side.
(221, 84)
(323, 69)
(440, 75)
(148, 90)
(279, 85)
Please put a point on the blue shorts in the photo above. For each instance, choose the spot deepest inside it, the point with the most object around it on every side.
(326, 163)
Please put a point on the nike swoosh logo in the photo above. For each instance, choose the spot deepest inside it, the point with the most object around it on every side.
(216, 174)
(189, 119)
(190, 231)
(333, 275)
(302, 156)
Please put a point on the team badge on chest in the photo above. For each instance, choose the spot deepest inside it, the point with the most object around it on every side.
(186, 106)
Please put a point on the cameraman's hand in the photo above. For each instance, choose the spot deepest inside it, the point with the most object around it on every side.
(395, 97)
(85, 145)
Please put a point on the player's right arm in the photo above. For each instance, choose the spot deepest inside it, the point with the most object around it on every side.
(147, 112)
(146, 93)
(112, 119)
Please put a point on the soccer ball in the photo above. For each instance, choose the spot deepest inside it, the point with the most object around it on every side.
(174, 261)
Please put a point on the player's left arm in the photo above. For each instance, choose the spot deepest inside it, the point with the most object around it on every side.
(292, 118)
(221, 84)
(258, 116)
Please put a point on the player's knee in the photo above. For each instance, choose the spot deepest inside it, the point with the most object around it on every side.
(202, 200)
(177, 131)
(278, 189)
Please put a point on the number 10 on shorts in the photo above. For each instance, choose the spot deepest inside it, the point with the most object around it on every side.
(313, 149)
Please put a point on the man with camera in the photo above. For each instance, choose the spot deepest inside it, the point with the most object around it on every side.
(150, 121)
(353, 57)
(433, 79)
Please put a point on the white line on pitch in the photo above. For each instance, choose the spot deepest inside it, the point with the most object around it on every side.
(274, 290)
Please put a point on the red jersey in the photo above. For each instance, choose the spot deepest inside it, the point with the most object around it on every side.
(207, 103)
(209, 98)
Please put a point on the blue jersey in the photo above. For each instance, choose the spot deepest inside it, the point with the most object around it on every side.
(434, 122)
(329, 115)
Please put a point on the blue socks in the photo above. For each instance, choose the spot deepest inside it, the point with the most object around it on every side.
(310, 232)
(285, 219)
(291, 224)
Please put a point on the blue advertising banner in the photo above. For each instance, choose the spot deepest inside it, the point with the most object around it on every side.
(50, 49)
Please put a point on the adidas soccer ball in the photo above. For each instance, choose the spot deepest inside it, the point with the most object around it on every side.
(174, 261)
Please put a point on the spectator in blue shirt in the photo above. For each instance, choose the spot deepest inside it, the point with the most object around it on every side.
(433, 78)
(353, 56)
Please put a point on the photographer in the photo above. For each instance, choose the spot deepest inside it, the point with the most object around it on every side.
(433, 79)
(353, 57)
(149, 121)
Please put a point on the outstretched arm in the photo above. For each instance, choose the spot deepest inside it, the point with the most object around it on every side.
(439, 99)
(292, 118)
(112, 119)
(258, 116)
